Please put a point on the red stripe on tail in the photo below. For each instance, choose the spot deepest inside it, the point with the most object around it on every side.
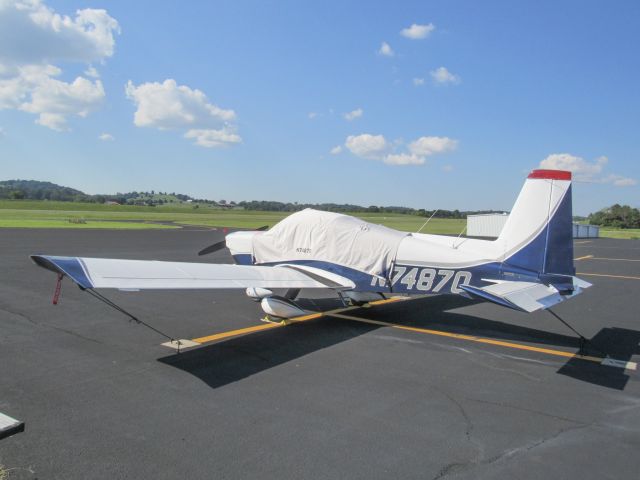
(550, 174)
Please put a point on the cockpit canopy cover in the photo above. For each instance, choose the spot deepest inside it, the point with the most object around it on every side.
(329, 237)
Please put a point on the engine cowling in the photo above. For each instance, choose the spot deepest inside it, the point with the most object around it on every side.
(280, 307)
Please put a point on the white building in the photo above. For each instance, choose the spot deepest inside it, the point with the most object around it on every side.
(486, 225)
(490, 225)
(585, 231)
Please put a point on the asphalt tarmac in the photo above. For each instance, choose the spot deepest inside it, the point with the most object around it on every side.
(324, 399)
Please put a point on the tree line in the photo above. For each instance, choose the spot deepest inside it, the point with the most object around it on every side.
(272, 206)
(616, 216)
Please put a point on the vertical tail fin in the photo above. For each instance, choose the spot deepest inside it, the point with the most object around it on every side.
(538, 235)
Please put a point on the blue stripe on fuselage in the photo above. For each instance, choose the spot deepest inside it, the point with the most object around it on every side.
(363, 281)
(243, 259)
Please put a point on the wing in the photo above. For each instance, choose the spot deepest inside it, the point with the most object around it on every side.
(525, 296)
(146, 274)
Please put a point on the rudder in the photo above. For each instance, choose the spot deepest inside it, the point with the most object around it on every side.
(538, 235)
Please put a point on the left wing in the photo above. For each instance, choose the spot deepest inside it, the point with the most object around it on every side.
(148, 274)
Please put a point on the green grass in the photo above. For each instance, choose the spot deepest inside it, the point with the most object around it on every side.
(625, 233)
(46, 214)
(99, 207)
(54, 223)
(411, 223)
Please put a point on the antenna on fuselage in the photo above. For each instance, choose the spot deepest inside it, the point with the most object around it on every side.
(453, 245)
(425, 223)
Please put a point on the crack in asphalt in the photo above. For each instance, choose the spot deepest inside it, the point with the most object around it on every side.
(4, 308)
(528, 410)
(469, 427)
(458, 467)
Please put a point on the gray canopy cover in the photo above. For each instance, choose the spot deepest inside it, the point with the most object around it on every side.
(330, 237)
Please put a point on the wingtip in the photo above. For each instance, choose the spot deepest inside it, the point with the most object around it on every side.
(69, 266)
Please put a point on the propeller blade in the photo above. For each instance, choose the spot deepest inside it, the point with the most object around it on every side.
(220, 245)
(212, 248)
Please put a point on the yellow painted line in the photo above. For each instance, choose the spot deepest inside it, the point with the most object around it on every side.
(616, 259)
(235, 333)
(391, 300)
(339, 313)
(255, 328)
(626, 277)
(472, 338)
(583, 258)
(266, 326)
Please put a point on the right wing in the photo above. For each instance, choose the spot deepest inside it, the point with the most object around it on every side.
(524, 296)
(150, 274)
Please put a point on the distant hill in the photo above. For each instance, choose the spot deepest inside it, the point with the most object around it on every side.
(35, 190)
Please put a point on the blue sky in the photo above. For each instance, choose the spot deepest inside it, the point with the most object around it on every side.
(248, 100)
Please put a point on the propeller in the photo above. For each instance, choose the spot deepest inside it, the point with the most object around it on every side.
(212, 248)
(221, 244)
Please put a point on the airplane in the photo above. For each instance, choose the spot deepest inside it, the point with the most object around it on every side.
(528, 267)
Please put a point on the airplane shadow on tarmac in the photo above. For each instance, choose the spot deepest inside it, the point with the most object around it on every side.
(237, 358)
(618, 343)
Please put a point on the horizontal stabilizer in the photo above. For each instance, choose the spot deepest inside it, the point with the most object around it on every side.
(146, 274)
(524, 296)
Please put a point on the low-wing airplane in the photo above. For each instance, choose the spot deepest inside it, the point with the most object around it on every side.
(528, 267)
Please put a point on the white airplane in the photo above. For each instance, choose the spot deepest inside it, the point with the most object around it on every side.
(528, 268)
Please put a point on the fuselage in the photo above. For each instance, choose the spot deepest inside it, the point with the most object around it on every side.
(423, 264)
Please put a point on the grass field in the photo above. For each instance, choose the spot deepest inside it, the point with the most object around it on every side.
(627, 233)
(45, 214)
(53, 223)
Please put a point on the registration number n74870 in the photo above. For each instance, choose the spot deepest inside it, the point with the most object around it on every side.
(426, 279)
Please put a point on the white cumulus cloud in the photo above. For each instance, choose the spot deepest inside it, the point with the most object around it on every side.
(312, 115)
(357, 113)
(584, 170)
(581, 168)
(334, 151)
(33, 33)
(214, 138)
(620, 181)
(404, 159)
(169, 106)
(53, 100)
(386, 50)
(418, 81)
(376, 147)
(33, 38)
(92, 72)
(367, 146)
(418, 32)
(425, 146)
(106, 137)
(442, 76)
